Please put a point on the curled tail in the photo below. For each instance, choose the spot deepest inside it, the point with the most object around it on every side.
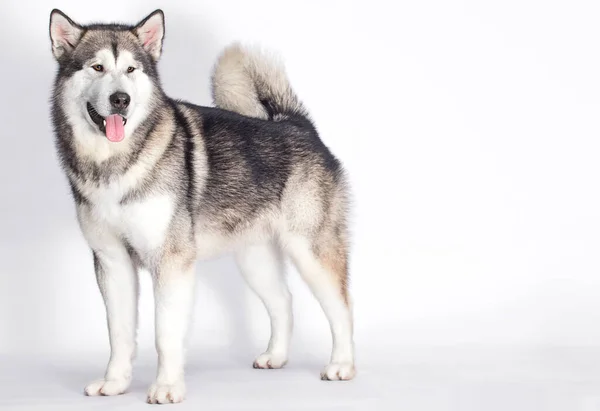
(254, 84)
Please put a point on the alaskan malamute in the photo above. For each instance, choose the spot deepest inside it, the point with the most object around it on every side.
(159, 183)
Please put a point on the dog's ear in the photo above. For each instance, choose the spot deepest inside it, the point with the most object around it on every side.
(64, 33)
(151, 32)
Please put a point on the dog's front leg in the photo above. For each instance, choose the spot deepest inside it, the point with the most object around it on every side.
(174, 299)
(118, 283)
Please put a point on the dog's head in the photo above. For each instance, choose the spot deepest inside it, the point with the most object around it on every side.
(107, 72)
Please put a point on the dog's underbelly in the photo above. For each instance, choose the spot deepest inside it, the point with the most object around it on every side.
(210, 245)
(212, 242)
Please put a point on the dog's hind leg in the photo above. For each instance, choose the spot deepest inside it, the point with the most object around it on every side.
(262, 267)
(323, 265)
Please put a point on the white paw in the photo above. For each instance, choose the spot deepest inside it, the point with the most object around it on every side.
(107, 387)
(166, 393)
(338, 371)
(268, 360)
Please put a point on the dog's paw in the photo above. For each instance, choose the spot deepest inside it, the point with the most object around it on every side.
(338, 371)
(268, 360)
(166, 393)
(107, 387)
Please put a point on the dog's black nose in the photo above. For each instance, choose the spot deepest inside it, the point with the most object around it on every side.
(120, 100)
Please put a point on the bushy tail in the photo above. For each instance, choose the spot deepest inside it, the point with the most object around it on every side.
(253, 83)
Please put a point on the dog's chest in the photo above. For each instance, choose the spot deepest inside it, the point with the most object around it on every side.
(143, 223)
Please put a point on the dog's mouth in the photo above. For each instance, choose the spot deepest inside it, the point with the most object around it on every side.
(112, 126)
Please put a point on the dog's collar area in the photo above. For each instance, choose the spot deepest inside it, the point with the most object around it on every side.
(98, 119)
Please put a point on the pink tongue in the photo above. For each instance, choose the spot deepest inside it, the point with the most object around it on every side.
(115, 131)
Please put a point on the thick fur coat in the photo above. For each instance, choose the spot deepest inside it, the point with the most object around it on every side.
(160, 183)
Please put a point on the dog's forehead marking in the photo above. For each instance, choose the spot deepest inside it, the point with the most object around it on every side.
(115, 42)
(115, 50)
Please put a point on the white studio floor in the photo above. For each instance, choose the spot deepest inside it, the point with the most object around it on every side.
(474, 378)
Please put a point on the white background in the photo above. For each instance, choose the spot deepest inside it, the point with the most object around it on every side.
(470, 131)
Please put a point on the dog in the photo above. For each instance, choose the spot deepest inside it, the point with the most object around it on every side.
(160, 183)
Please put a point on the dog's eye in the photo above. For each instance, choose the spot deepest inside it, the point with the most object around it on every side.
(98, 67)
(130, 69)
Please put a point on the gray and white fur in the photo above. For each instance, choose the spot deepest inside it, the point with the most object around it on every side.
(160, 183)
